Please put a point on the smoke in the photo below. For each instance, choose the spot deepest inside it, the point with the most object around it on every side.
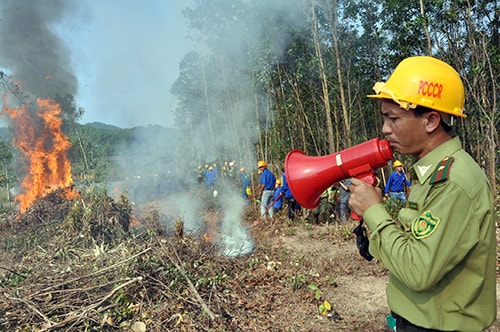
(31, 51)
(221, 117)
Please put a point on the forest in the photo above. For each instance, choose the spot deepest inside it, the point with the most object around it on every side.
(270, 78)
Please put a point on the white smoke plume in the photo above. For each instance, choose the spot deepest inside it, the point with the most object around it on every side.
(176, 159)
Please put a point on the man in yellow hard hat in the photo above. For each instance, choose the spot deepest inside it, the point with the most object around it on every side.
(395, 187)
(266, 187)
(442, 253)
(278, 196)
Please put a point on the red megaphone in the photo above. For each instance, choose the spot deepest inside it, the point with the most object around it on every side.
(308, 177)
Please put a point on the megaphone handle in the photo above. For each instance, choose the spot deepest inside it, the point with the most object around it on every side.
(368, 177)
(355, 216)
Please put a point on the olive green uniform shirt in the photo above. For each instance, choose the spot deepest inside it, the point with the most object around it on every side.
(442, 257)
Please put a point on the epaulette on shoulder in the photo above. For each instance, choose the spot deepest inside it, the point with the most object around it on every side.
(442, 171)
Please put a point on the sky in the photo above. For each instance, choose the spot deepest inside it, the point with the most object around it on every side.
(124, 55)
(127, 59)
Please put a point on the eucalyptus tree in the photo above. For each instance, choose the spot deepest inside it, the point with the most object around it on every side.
(467, 34)
(225, 94)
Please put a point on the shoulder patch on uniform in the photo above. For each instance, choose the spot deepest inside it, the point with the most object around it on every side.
(424, 225)
(442, 171)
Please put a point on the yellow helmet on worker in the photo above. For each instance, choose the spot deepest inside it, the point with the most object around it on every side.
(261, 163)
(424, 81)
(397, 163)
(278, 182)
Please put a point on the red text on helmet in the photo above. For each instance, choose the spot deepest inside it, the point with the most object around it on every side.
(430, 89)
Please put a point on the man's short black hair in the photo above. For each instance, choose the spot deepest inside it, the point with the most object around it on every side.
(421, 110)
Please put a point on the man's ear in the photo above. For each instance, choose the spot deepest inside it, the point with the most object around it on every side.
(433, 120)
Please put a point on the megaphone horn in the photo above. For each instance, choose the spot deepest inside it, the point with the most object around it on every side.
(308, 177)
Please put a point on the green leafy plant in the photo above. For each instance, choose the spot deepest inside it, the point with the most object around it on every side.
(298, 281)
(324, 308)
(12, 279)
(315, 288)
(393, 206)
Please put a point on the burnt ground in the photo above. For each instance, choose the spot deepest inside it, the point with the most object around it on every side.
(94, 264)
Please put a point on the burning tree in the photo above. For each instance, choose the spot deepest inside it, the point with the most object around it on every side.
(39, 137)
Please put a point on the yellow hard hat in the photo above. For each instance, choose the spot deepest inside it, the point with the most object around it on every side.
(397, 163)
(261, 163)
(242, 169)
(424, 81)
(278, 181)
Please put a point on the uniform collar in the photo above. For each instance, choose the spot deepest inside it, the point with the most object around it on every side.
(424, 167)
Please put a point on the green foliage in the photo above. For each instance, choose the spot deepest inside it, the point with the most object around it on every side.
(209, 282)
(285, 89)
(96, 216)
(298, 281)
(12, 279)
(8, 177)
(317, 292)
(393, 206)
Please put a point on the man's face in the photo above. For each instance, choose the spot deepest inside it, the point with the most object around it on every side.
(405, 132)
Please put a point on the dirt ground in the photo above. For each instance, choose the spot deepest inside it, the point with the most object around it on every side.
(298, 277)
(358, 294)
(353, 286)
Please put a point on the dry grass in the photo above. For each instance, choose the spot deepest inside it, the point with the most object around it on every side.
(80, 268)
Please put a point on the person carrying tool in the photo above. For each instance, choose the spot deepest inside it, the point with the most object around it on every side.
(441, 254)
(395, 186)
(266, 189)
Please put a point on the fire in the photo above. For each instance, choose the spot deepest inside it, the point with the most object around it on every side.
(211, 226)
(44, 147)
(207, 237)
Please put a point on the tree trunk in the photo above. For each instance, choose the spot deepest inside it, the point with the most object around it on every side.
(426, 28)
(333, 18)
(324, 83)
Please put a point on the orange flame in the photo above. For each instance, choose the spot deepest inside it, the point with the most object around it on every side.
(44, 148)
(207, 238)
(211, 221)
